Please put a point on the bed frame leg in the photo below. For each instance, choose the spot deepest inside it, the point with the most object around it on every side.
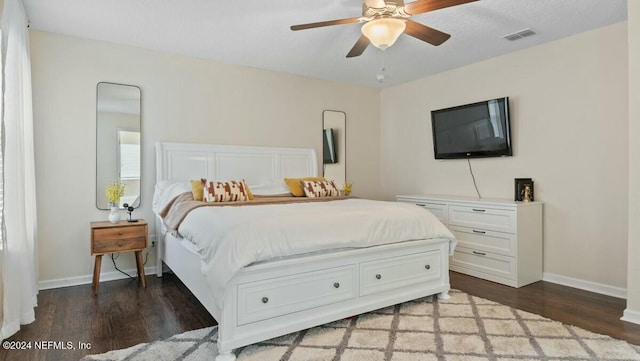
(444, 295)
(226, 356)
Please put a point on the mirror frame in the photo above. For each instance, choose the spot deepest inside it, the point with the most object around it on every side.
(124, 104)
(338, 121)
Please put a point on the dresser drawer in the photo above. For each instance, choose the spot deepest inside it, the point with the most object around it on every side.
(482, 218)
(467, 259)
(482, 240)
(397, 272)
(438, 209)
(261, 300)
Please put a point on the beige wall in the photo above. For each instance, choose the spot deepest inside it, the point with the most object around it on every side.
(183, 99)
(569, 112)
(633, 272)
(569, 109)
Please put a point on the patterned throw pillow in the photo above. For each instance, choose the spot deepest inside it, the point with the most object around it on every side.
(232, 191)
(315, 189)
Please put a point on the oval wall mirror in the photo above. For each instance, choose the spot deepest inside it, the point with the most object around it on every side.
(118, 142)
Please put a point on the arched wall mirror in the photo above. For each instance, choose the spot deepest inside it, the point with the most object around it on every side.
(118, 142)
(334, 139)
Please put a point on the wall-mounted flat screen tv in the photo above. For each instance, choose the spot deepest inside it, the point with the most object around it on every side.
(475, 130)
(329, 155)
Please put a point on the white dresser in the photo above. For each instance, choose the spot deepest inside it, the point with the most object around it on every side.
(498, 239)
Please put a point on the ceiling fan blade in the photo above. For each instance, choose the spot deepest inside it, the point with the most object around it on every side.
(359, 47)
(324, 23)
(425, 33)
(376, 4)
(423, 6)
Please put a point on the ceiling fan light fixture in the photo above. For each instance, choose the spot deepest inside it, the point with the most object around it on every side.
(383, 32)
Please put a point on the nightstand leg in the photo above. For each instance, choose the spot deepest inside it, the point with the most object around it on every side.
(140, 264)
(96, 274)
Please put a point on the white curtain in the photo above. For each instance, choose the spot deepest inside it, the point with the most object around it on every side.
(18, 255)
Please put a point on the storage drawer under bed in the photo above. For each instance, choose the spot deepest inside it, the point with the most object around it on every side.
(265, 299)
(397, 272)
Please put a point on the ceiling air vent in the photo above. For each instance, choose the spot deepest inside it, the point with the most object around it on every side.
(519, 34)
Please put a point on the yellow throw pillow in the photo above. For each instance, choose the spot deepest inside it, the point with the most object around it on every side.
(197, 186)
(249, 194)
(295, 184)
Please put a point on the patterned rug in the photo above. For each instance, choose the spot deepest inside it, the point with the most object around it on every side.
(463, 328)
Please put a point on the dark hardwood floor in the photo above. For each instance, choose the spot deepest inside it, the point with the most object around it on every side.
(590, 311)
(123, 314)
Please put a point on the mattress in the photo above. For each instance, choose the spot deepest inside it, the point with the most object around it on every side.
(229, 238)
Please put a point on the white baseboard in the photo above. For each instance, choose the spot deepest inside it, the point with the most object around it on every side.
(585, 285)
(631, 316)
(88, 279)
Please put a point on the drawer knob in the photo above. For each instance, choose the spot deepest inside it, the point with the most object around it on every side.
(479, 253)
(336, 285)
(120, 233)
(427, 266)
(479, 210)
(479, 232)
(265, 299)
(378, 276)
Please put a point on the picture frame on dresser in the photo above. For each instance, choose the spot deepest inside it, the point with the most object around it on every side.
(519, 186)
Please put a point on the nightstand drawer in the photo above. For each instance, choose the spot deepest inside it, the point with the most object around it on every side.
(119, 233)
(119, 245)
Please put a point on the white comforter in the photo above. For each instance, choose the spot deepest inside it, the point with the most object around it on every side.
(233, 237)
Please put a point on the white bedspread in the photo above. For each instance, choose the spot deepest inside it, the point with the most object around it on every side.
(233, 237)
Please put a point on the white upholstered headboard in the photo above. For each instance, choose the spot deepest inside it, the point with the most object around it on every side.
(256, 165)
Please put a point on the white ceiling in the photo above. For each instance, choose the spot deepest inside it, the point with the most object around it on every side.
(256, 32)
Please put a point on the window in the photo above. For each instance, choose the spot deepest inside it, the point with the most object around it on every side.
(129, 155)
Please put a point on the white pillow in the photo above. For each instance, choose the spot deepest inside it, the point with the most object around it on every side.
(165, 191)
(269, 189)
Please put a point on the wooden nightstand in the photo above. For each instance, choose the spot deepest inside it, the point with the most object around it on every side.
(107, 237)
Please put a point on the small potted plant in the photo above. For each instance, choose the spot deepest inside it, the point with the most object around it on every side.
(114, 191)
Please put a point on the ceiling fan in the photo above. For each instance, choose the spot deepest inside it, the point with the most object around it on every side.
(384, 20)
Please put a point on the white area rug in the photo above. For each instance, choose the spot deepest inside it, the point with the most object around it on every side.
(463, 328)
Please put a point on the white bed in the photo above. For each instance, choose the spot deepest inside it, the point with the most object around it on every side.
(272, 298)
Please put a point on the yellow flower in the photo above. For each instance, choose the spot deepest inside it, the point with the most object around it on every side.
(347, 188)
(114, 191)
